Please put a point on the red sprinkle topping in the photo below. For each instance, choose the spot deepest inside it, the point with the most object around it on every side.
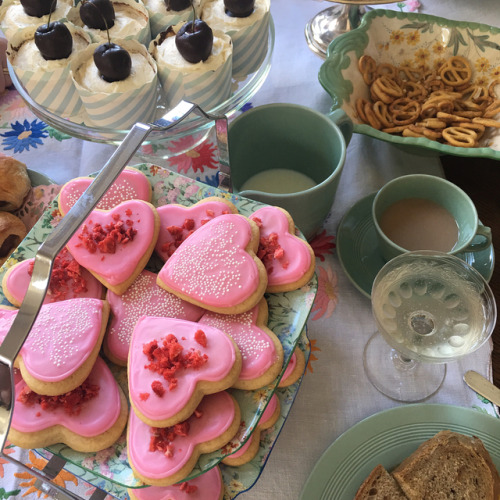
(144, 396)
(270, 250)
(72, 402)
(167, 358)
(66, 275)
(105, 239)
(162, 438)
(158, 388)
(188, 488)
(201, 338)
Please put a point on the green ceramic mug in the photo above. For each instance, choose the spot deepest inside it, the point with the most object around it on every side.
(408, 196)
(291, 148)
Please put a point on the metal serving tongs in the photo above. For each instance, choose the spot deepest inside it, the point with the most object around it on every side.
(54, 243)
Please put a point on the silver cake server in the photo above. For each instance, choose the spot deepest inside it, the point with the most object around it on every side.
(57, 239)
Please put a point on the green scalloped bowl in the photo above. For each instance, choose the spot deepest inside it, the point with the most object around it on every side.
(397, 37)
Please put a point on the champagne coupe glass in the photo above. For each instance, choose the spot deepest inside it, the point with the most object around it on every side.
(430, 308)
(334, 21)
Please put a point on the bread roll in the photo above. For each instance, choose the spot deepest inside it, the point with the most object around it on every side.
(15, 183)
(12, 232)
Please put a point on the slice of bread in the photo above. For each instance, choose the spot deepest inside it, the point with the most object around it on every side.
(449, 466)
(379, 485)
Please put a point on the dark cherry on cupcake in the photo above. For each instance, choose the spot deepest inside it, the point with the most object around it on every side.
(53, 40)
(194, 41)
(177, 5)
(38, 8)
(97, 14)
(239, 8)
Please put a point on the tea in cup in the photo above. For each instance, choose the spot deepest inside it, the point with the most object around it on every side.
(290, 156)
(424, 212)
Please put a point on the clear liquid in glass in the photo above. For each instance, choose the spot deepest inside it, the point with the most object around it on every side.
(430, 311)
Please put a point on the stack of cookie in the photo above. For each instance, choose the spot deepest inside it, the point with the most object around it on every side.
(187, 334)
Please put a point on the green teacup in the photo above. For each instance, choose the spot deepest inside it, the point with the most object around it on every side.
(292, 149)
(427, 211)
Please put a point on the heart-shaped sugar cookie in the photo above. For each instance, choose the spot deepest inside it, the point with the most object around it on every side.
(62, 345)
(176, 450)
(131, 184)
(200, 359)
(289, 260)
(115, 245)
(217, 268)
(88, 419)
(261, 350)
(178, 222)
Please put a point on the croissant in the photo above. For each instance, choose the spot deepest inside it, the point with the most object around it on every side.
(12, 232)
(15, 183)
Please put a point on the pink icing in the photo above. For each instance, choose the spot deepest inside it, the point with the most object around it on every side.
(290, 367)
(257, 349)
(208, 487)
(219, 349)
(143, 298)
(97, 415)
(297, 257)
(217, 414)
(131, 184)
(62, 338)
(212, 266)
(187, 220)
(115, 268)
(268, 413)
(18, 278)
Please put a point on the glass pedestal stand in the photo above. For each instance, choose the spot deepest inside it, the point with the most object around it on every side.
(400, 378)
(334, 21)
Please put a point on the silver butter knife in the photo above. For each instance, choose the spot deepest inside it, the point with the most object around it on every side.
(482, 386)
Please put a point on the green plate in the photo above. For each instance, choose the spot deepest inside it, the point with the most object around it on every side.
(361, 259)
(387, 438)
(403, 38)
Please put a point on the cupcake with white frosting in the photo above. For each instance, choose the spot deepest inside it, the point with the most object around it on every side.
(165, 13)
(120, 100)
(44, 69)
(248, 29)
(130, 21)
(14, 16)
(202, 75)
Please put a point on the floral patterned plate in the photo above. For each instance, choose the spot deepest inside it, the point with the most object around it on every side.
(416, 40)
(237, 480)
(288, 313)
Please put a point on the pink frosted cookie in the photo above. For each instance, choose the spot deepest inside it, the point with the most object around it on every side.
(131, 184)
(62, 346)
(248, 451)
(289, 260)
(178, 222)
(173, 363)
(261, 350)
(115, 245)
(294, 370)
(68, 281)
(162, 457)
(143, 298)
(207, 486)
(87, 419)
(217, 267)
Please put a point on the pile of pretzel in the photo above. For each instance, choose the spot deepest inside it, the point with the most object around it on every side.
(442, 105)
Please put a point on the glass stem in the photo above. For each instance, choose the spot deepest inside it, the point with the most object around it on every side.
(402, 363)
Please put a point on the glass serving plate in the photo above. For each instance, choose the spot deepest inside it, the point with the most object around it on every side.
(242, 90)
(401, 38)
(236, 480)
(288, 313)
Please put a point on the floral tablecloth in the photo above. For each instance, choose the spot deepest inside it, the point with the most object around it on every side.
(334, 394)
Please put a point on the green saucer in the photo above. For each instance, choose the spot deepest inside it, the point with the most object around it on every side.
(360, 257)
